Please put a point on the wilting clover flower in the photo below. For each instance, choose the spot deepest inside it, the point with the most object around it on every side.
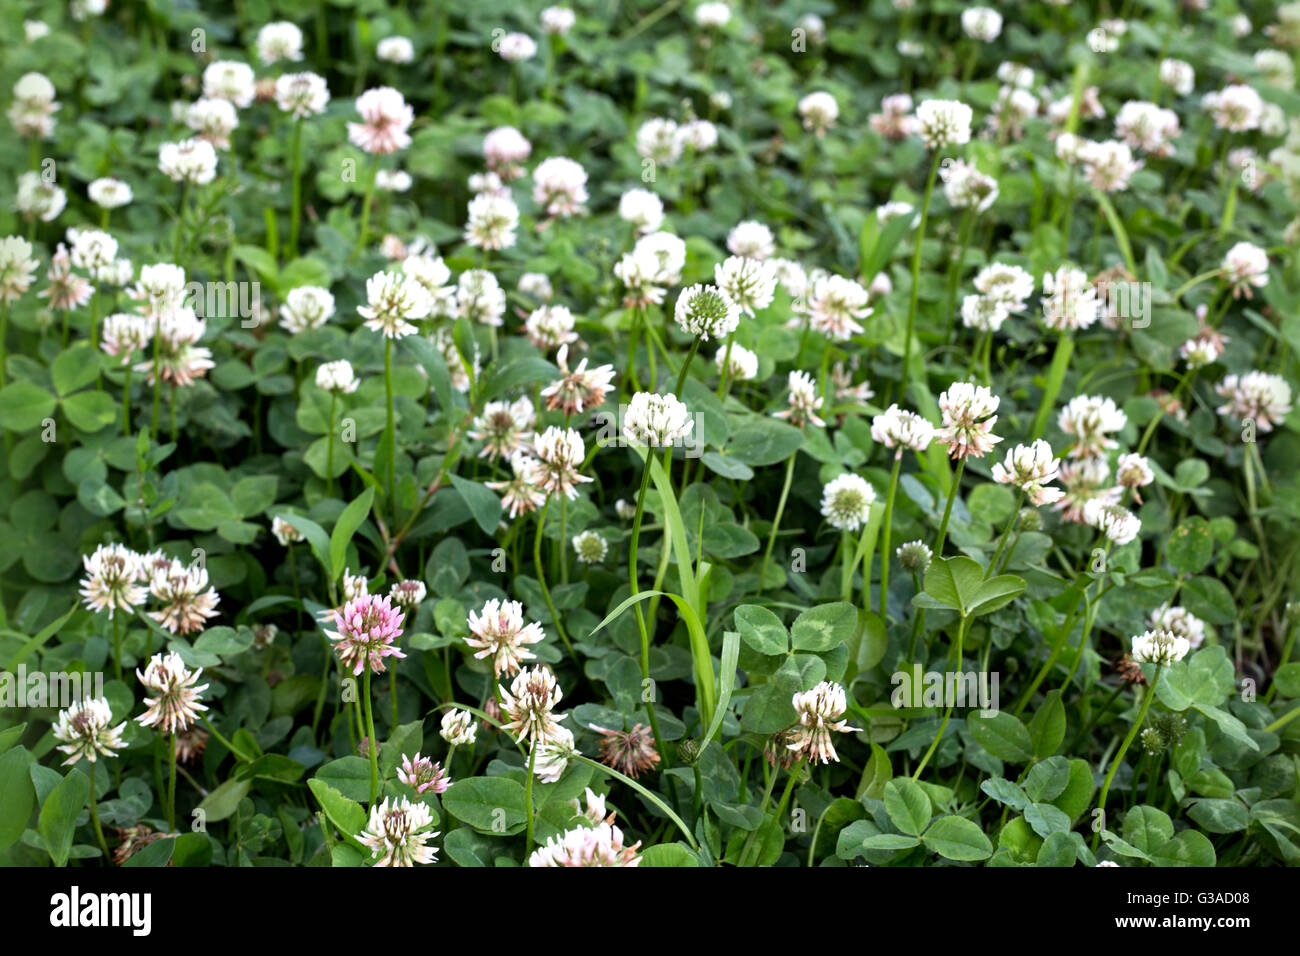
(503, 427)
(423, 774)
(458, 728)
(660, 421)
(1159, 646)
(519, 495)
(492, 222)
(595, 811)
(579, 389)
(550, 326)
(306, 307)
(642, 209)
(706, 312)
(942, 123)
(981, 23)
(1118, 524)
(385, 118)
(368, 627)
(1134, 471)
(899, 429)
(391, 299)
(395, 49)
(85, 731)
(110, 581)
(894, 121)
(189, 161)
(590, 547)
(530, 703)
(284, 532)
(557, 455)
(630, 752)
(498, 631)
(1091, 419)
(174, 705)
(560, 185)
(550, 757)
(749, 283)
(595, 846)
(1236, 108)
(818, 111)
(337, 377)
(184, 604)
(67, 289)
(408, 593)
(181, 360)
(1245, 265)
(301, 94)
(751, 239)
(803, 399)
(17, 268)
(914, 556)
(846, 502)
(967, 425)
(1180, 622)
(743, 363)
(1069, 300)
(398, 834)
(1031, 468)
(820, 711)
(1258, 396)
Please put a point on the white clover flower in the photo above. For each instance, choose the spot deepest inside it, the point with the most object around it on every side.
(391, 299)
(743, 363)
(1245, 265)
(558, 453)
(161, 288)
(1134, 471)
(110, 583)
(284, 532)
(480, 298)
(398, 834)
(1148, 127)
(492, 222)
(1069, 300)
(123, 334)
(228, 80)
(503, 427)
(658, 141)
(190, 161)
(900, 429)
(751, 239)
(834, 304)
(749, 283)
(1236, 108)
(659, 421)
(942, 123)
(530, 704)
(820, 711)
(498, 631)
(1009, 285)
(981, 23)
(707, 312)
(34, 30)
(968, 420)
(1090, 420)
(385, 119)
(552, 755)
(560, 185)
(516, 47)
(914, 556)
(301, 94)
(558, 21)
(458, 728)
(583, 846)
(536, 285)
(1257, 396)
(92, 250)
(818, 111)
(109, 193)
(1108, 165)
(642, 208)
(505, 149)
(1015, 74)
(1276, 67)
(589, 547)
(846, 502)
(337, 377)
(1178, 75)
(804, 401)
(1180, 622)
(85, 731)
(983, 312)
(712, 16)
(699, 135)
(967, 188)
(395, 49)
(306, 307)
(431, 274)
(1117, 523)
(175, 705)
(277, 41)
(1159, 646)
(393, 180)
(1031, 468)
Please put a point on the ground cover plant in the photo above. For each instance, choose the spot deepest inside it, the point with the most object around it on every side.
(661, 434)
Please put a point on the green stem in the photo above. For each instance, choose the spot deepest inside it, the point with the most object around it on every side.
(947, 510)
(94, 816)
(1123, 748)
(372, 744)
(885, 555)
(1055, 378)
(297, 188)
(776, 521)
(934, 744)
(916, 275)
(541, 581)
